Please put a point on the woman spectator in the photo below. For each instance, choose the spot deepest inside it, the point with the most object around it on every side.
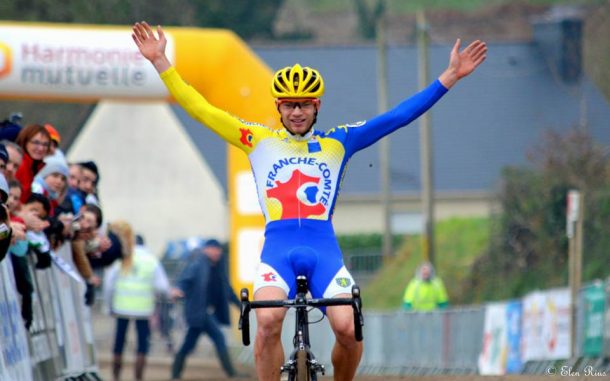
(129, 288)
(35, 141)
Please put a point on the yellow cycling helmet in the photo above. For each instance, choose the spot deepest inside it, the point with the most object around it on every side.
(297, 82)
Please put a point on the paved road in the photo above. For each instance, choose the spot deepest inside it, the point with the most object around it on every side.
(158, 370)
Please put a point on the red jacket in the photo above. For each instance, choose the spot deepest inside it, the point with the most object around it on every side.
(25, 174)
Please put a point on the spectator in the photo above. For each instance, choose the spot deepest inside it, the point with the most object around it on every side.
(38, 206)
(14, 197)
(15, 157)
(10, 127)
(19, 245)
(426, 291)
(84, 228)
(54, 150)
(74, 199)
(103, 250)
(3, 160)
(88, 182)
(5, 224)
(34, 140)
(129, 288)
(74, 175)
(206, 290)
(51, 180)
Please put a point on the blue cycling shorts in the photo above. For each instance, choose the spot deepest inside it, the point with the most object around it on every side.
(303, 247)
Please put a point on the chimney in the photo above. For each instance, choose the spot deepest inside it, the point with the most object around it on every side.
(559, 36)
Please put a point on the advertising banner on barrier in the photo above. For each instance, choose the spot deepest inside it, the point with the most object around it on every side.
(607, 320)
(14, 356)
(593, 320)
(69, 331)
(514, 319)
(492, 360)
(546, 325)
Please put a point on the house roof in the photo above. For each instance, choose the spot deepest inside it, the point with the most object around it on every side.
(486, 122)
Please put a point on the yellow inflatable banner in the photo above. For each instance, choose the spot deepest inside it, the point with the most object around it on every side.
(86, 63)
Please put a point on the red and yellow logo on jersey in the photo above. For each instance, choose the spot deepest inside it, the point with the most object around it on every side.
(298, 196)
(6, 60)
(246, 137)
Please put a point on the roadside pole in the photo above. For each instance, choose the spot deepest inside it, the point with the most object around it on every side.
(384, 144)
(574, 231)
(427, 166)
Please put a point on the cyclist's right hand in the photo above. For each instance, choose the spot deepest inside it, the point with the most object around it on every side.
(151, 47)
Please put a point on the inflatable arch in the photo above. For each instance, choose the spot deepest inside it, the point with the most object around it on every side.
(85, 63)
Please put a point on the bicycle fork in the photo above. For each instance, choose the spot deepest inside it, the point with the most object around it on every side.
(302, 364)
(302, 361)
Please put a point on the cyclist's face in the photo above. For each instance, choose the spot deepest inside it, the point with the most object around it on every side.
(298, 115)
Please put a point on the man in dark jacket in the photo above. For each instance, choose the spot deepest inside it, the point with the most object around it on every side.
(206, 291)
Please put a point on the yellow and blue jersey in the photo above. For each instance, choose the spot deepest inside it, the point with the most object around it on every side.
(298, 177)
(297, 180)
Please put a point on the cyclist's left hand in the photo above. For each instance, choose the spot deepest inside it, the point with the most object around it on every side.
(464, 62)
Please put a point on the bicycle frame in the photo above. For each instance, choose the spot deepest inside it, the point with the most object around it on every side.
(301, 364)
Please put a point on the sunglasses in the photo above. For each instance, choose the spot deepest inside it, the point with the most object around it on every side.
(303, 104)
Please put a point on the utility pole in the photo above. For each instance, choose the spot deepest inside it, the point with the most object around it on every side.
(384, 144)
(426, 156)
(574, 231)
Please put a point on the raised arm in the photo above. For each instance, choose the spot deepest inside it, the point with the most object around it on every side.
(152, 48)
(235, 131)
(461, 64)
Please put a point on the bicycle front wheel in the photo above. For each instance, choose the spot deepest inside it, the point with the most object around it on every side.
(302, 369)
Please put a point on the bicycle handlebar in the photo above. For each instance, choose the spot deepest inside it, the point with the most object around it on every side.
(246, 305)
(293, 303)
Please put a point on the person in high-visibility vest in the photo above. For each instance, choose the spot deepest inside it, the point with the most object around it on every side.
(130, 288)
(426, 291)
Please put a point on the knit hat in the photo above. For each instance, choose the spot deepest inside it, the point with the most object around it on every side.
(53, 165)
(53, 133)
(212, 243)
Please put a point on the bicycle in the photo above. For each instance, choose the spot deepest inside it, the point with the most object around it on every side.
(302, 364)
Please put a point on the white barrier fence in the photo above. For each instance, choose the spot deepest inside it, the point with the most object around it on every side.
(59, 344)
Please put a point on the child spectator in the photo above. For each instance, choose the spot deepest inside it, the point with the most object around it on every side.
(51, 181)
(88, 181)
(14, 197)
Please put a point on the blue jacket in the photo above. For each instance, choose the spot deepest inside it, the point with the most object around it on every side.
(194, 281)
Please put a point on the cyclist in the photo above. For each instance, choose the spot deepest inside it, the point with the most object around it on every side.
(298, 171)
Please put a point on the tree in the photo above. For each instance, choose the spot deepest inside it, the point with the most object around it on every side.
(368, 17)
(528, 248)
(247, 18)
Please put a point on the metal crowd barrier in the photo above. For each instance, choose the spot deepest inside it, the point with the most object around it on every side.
(437, 342)
(59, 344)
(451, 341)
